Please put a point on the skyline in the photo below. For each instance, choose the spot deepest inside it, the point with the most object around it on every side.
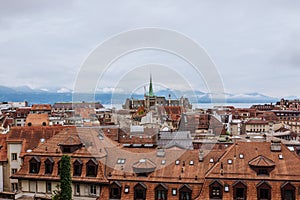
(43, 45)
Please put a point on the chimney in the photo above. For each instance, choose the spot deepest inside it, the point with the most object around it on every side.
(275, 146)
(201, 155)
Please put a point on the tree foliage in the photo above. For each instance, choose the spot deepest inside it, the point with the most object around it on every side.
(65, 178)
(65, 191)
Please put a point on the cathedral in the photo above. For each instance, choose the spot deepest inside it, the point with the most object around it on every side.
(150, 99)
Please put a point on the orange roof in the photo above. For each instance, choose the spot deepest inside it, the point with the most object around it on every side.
(40, 119)
(50, 148)
(3, 148)
(259, 154)
(41, 107)
(30, 136)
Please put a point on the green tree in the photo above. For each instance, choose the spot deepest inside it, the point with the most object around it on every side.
(65, 192)
(65, 178)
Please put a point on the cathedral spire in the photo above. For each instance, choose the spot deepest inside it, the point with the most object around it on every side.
(151, 93)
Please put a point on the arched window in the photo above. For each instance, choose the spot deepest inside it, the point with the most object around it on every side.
(140, 191)
(288, 191)
(239, 190)
(263, 191)
(77, 167)
(34, 165)
(91, 168)
(115, 190)
(161, 192)
(49, 165)
(185, 192)
(216, 190)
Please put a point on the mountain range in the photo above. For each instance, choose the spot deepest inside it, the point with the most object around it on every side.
(25, 93)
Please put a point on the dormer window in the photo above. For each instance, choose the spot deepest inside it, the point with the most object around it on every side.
(91, 168)
(77, 167)
(161, 192)
(49, 165)
(262, 172)
(263, 191)
(66, 150)
(34, 165)
(185, 192)
(140, 191)
(115, 190)
(216, 190)
(262, 165)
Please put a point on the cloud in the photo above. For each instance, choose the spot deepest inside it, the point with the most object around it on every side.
(42, 43)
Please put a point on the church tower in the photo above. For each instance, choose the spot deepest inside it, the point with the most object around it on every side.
(151, 93)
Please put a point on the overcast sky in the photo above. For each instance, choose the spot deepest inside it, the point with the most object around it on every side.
(255, 44)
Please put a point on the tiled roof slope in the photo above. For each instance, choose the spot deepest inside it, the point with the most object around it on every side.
(30, 136)
(51, 149)
(259, 154)
(3, 148)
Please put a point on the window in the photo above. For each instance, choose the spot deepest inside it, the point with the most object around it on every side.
(48, 187)
(93, 189)
(49, 165)
(174, 191)
(91, 168)
(140, 192)
(77, 189)
(263, 191)
(34, 165)
(216, 190)
(14, 170)
(185, 192)
(126, 190)
(239, 190)
(288, 191)
(262, 172)
(121, 161)
(66, 150)
(14, 187)
(161, 192)
(14, 156)
(77, 167)
(115, 190)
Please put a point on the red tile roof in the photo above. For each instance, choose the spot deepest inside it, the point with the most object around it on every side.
(30, 136)
(3, 148)
(37, 119)
(41, 107)
(87, 151)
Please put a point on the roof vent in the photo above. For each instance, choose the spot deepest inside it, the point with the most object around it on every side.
(42, 140)
(29, 150)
